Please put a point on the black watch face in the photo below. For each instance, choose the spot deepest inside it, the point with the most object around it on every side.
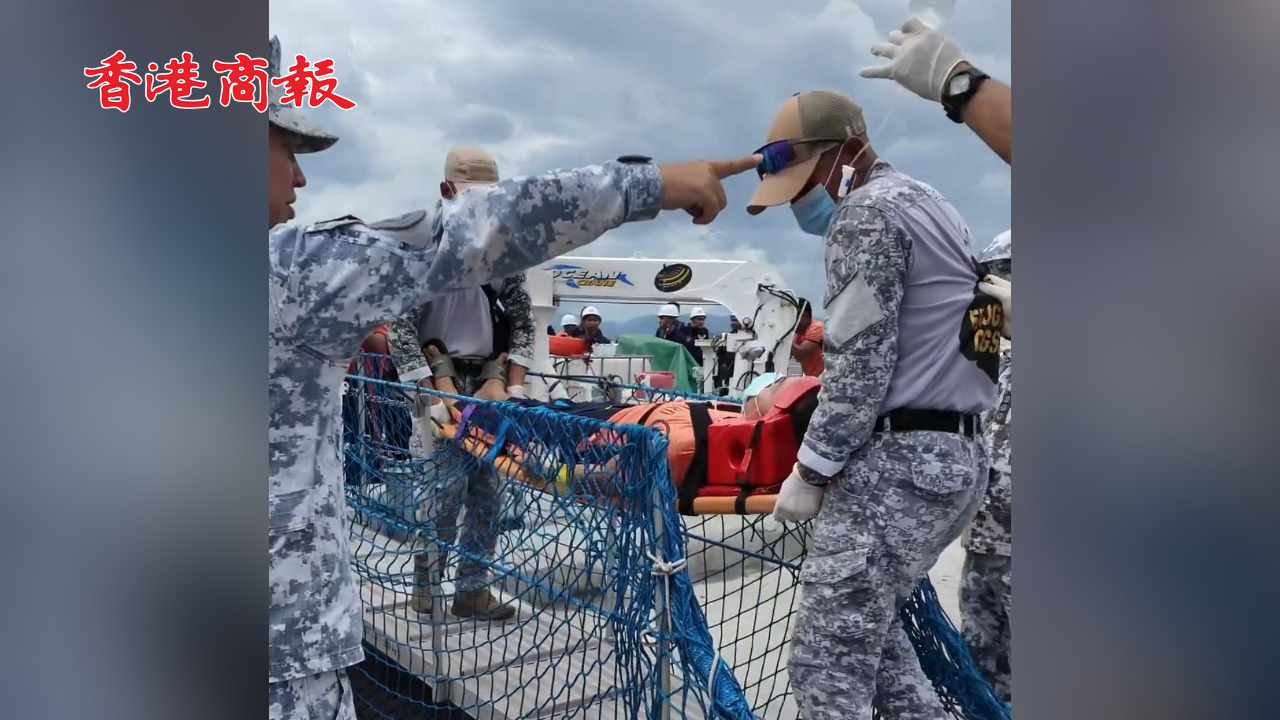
(959, 84)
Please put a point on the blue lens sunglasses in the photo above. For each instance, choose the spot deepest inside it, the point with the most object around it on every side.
(781, 153)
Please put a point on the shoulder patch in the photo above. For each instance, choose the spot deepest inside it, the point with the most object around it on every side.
(404, 222)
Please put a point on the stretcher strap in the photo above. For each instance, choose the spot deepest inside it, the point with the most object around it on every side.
(465, 420)
(696, 478)
(744, 475)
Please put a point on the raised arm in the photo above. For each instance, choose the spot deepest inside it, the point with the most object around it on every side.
(342, 277)
(990, 116)
(925, 61)
(336, 280)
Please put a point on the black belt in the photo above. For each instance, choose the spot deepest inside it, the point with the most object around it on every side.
(907, 419)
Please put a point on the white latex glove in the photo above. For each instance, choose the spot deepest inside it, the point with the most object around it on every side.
(428, 408)
(1002, 290)
(427, 434)
(920, 59)
(798, 500)
(516, 391)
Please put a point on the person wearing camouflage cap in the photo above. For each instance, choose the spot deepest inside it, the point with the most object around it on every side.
(986, 584)
(329, 284)
(892, 466)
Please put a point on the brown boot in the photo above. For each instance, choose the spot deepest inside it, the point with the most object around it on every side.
(482, 605)
(421, 602)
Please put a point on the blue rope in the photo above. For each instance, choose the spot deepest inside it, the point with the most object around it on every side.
(945, 658)
(585, 549)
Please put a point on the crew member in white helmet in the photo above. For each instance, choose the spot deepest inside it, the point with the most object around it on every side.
(590, 328)
(698, 324)
(569, 325)
(670, 328)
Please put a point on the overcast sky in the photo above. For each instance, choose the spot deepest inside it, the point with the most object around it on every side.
(564, 83)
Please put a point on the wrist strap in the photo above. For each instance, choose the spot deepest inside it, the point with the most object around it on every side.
(811, 477)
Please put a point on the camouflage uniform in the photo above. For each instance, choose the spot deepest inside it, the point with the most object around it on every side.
(513, 293)
(897, 498)
(326, 696)
(986, 590)
(329, 285)
(482, 495)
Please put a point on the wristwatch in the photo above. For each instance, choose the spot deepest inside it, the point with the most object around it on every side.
(960, 89)
(811, 477)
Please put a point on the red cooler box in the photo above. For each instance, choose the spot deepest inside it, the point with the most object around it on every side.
(659, 379)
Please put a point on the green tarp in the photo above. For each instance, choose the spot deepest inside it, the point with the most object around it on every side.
(666, 355)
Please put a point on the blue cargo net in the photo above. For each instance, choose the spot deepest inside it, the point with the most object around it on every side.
(623, 607)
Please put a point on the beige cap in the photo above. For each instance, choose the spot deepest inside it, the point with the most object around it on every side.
(467, 166)
(814, 115)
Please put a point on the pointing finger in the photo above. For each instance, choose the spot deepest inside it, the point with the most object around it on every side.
(729, 168)
(720, 197)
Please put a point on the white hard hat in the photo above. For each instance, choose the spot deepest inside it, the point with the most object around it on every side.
(590, 310)
(697, 313)
(669, 310)
(568, 320)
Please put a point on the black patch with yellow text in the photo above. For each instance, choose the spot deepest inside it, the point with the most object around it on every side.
(980, 334)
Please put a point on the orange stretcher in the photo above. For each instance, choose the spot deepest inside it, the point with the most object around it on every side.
(513, 463)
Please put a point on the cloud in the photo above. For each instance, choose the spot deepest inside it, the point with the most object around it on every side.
(997, 183)
(565, 83)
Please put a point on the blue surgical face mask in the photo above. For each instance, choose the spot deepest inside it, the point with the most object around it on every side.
(814, 211)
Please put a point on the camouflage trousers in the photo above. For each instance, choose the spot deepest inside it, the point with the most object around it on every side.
(483, 500)
(901, 499)
(318, 697)
(986, 603)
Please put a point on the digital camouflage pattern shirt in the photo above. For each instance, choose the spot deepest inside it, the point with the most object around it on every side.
(899, 278)
(329, 285)
(991, 531)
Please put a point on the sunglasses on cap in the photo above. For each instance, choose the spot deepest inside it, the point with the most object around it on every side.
(781, 153)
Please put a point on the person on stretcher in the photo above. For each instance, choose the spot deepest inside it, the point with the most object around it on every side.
(720, 448)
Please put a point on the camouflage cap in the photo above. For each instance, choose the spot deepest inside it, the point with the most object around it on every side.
(311, 137)
(1000, 249)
